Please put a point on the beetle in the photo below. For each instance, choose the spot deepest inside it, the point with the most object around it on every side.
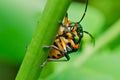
(68, 39)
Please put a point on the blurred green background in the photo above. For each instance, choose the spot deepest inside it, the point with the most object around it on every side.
(18, 19)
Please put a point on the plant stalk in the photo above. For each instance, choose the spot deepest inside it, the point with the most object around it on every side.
(44, 35)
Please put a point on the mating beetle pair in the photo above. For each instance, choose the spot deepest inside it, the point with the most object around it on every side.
(68, 39)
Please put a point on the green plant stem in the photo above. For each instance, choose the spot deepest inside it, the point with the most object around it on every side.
(44, 35)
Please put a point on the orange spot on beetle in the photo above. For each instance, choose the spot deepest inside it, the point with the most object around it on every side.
(76, 46)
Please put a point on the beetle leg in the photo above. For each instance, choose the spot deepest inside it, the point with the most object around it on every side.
(57, 60)
(52, 46)
(44, 63)
(67, 56)
(63, 44)
(68, 48)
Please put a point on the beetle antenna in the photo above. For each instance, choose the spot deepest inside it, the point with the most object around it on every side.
(93, 39)
(84, 12)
